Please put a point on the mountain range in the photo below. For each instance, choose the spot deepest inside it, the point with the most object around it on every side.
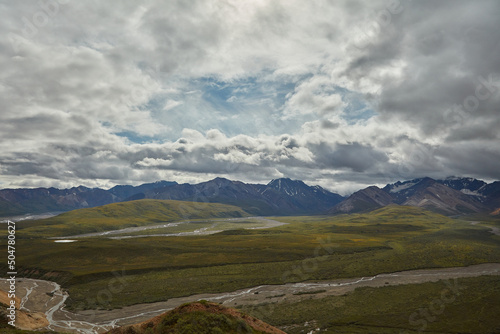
(283, 196)
(278, 197)
(451, 196)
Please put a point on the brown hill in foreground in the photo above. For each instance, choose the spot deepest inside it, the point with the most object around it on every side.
(201, 318)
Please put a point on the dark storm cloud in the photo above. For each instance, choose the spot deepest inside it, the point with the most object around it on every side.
(448, 49)
(353, 156)
(472, 158)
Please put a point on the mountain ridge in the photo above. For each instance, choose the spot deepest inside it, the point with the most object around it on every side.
(443, 196)
(364, 200)
(279, 197)
(283, 196)
(259, 199)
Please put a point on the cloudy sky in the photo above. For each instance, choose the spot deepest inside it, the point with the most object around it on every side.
(339, 93)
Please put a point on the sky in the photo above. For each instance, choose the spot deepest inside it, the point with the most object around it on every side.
(342, 94)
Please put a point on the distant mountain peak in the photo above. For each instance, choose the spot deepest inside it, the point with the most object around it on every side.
(364, 200)
(221, 179)
(219, 182)
(466, 185)
(282, 179)
(285, 182)
(450, 196)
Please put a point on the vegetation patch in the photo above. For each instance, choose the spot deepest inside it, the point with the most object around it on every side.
(465, 305)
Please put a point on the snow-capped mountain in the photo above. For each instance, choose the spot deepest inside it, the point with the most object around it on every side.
(466, 185)
(279, 197)
(451, 196)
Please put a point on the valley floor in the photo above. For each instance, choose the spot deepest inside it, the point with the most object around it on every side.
(298, 273)
(48, 297)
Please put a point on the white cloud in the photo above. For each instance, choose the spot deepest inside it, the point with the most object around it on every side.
(316, 95)
(105, 93)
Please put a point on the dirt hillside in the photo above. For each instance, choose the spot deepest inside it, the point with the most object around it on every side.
(202, 318)
(24, 320)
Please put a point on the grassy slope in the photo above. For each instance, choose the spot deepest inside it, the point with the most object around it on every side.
(124, 214)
